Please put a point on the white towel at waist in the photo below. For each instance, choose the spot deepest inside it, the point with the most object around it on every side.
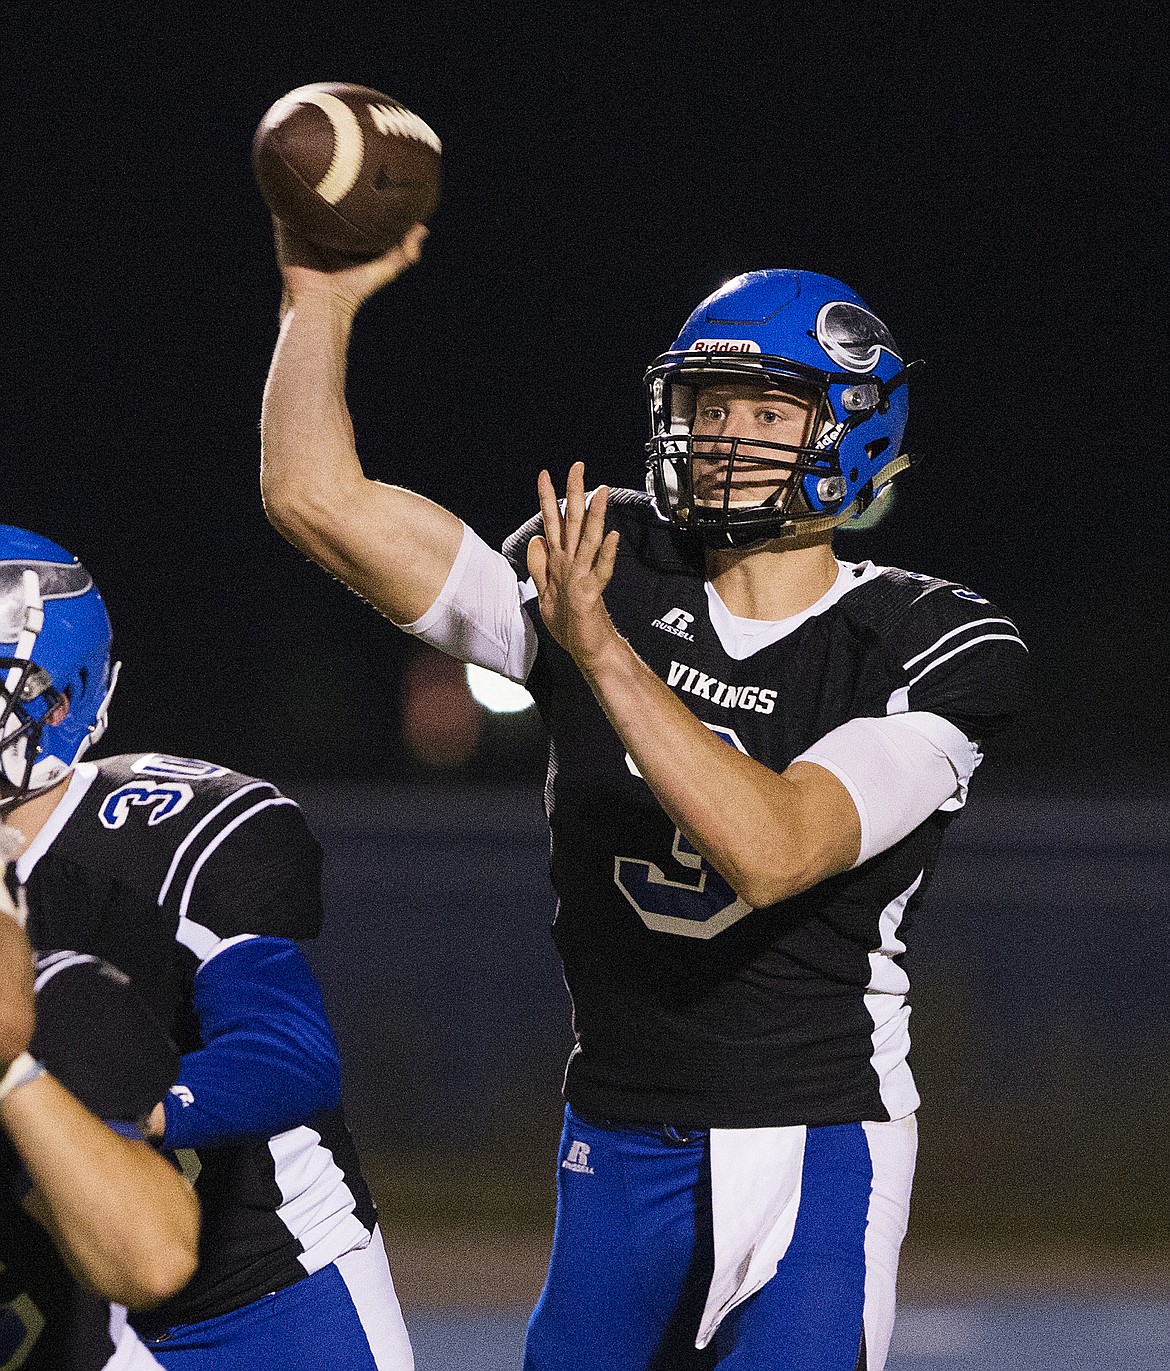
(755, 1195)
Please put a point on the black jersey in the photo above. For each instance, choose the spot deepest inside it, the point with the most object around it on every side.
(155, 863)
(690, 1007)
(96, 1037)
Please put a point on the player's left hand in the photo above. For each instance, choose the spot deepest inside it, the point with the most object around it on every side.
(571, 566)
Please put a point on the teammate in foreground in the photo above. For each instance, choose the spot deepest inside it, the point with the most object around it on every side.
(757, 749)
(91, 1218)
(195, 880)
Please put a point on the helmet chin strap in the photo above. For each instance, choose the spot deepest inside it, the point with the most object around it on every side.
(855, 507)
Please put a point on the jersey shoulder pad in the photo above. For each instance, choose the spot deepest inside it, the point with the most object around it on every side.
(950, 650)
(179, 829)
(144, 809)
(99, 1039)
(645, 535)
(260, 873)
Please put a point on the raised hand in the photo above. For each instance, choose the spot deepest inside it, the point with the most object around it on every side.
(311, 270)
(571, 566)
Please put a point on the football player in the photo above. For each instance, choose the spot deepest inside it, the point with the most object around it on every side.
(91, 1218)
(756, 747)
(195, 881)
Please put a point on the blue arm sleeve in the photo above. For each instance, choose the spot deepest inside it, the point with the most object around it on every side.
(269, 1060)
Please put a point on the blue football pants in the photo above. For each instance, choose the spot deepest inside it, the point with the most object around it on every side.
(344, 1315)
(633, 1256)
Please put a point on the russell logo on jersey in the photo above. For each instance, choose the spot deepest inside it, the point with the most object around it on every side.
(676, 621)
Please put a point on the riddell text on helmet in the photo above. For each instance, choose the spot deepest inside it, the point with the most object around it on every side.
(725, 345)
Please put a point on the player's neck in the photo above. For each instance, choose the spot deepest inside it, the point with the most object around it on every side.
(771, 581)
(29, 818)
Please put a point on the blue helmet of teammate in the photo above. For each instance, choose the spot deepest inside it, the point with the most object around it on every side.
(804, 334)
(55, 673)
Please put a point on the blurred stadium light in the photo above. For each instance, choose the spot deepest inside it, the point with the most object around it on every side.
(496, 693)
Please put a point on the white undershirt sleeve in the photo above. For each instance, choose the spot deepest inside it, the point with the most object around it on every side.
(898, 770)
(479, 616)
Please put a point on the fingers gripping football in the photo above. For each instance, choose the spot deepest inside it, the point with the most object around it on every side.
(572, 564)
(306, 271)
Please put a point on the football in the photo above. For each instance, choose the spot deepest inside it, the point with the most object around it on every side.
(346, 168)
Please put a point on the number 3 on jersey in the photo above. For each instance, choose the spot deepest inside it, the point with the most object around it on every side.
(699, 903)
(21, 1325)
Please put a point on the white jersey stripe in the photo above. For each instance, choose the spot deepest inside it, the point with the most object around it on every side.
(225, 943)
(223, 833)
(204, 943)
(317, 1205)
(62, 962)
(954, 652)
(84, 775)
(131, 1355)
(893, 1148)
(366, 1274)
(201, 825)
(197, 937)
(885, 1002)
(963, 628)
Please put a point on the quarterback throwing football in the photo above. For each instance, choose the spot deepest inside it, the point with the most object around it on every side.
(756, 749)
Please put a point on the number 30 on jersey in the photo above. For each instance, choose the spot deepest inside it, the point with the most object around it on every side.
(697, 902)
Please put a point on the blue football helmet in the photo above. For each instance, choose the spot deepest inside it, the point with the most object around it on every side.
(807, 335)
(55, 673)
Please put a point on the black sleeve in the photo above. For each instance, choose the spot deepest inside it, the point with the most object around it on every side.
(960, 657)
(263, 878)
(515, 547)
(643, 534)
(99, 1040)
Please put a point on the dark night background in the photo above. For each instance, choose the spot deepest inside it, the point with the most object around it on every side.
(991, 185)
(987, 184)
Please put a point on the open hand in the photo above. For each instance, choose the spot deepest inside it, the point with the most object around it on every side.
(571, 566)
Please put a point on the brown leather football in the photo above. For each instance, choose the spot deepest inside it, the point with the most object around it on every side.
(346, 168)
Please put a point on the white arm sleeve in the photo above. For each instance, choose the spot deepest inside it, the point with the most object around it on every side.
(898, 771)
(479, 616)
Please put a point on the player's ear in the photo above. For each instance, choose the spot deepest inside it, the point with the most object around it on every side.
(58, 714)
